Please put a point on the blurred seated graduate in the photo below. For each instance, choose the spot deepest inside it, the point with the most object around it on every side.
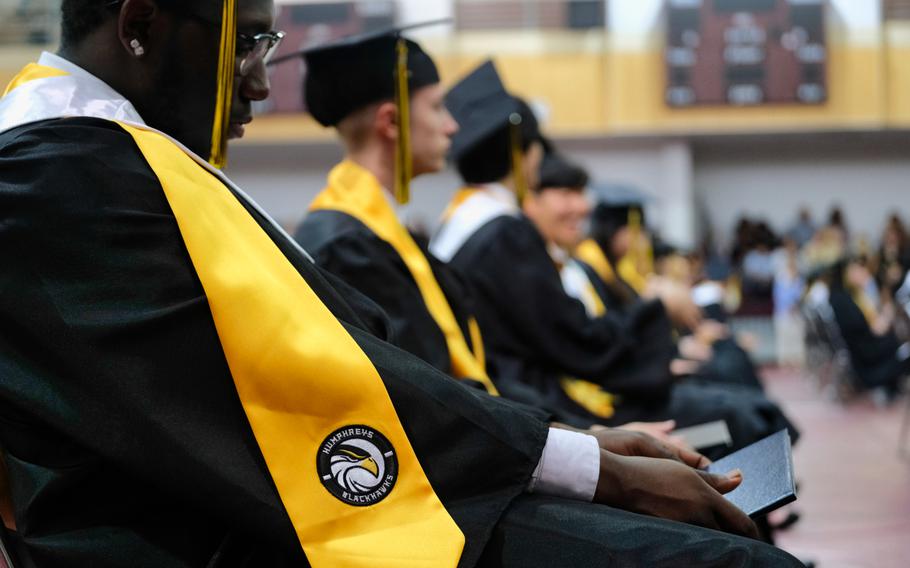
(534, 332)
(353, 229)
(613, 253)
(878, 358)
(393, 131)
(560, 209)
(181, 386)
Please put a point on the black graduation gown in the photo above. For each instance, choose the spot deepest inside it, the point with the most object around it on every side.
(873, 357)
(347, 248)
(535, 332)
(126, 442)
(729, 363)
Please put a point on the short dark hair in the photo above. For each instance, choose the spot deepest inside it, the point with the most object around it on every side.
(556, 171)
(79, 18)
(490, 160)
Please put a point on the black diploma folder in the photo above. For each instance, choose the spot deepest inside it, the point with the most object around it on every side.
(767, 467)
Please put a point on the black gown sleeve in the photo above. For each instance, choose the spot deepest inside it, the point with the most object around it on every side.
(526, 313)
(348, 250)
(125, 437)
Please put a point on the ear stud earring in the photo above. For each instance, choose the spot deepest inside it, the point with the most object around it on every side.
(137, 47)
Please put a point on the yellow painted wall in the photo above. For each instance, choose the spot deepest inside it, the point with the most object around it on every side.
(571, 85)
(897, 36)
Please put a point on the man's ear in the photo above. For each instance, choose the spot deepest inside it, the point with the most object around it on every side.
(386, 121)
(135, 24)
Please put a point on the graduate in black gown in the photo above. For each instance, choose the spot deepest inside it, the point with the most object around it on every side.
(534, 332)
(617, 220)
(879, 359)
(181, 386)
(352, 228)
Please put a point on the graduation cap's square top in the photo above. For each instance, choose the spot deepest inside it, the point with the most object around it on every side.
(480, 105)
(348, 74)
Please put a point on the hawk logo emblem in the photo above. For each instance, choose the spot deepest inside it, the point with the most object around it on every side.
(358, 465)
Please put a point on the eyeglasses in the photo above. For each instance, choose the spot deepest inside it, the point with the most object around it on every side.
(251, 49)
(254, 49)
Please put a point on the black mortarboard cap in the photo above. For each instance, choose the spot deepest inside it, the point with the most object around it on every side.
(348, 74)
(615, 203)
(481, 106)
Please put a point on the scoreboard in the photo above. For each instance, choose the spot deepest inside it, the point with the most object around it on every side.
(745, 52)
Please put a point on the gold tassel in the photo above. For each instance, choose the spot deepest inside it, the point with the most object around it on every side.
(635, 219)
(640, 256)
(225, 88)
(518, 175)
(403, 164)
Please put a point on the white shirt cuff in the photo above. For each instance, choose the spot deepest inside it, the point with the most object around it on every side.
(569, 466)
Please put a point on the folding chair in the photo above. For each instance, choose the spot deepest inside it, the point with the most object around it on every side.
(841, 378)
(818, 352)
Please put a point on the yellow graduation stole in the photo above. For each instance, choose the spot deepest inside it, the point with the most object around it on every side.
(865, 304)
(457, 201)
(591, 294)
(591, 254)
(302, 379)
(638, 264)
(590, 396)
(356, 192)
(340, 459)
(31, 72)
(628, 267)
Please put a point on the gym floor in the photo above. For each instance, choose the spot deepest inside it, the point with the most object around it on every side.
(854, 497)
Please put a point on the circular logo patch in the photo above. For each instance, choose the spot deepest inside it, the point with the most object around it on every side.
(358, 465)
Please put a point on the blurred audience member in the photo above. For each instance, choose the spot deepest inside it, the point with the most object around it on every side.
(893, 256)
(838, 225)
(758, 269)
(878, 358)
(803, 230)
(826, 246)
(788, 290)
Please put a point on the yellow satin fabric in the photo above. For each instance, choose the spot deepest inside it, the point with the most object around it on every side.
(300, 376)
(588, 395)
(629, 267)
(591, 254)
(31, 72)
(592, 295)
(460, 197)
(631, 273)
(356, 192)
